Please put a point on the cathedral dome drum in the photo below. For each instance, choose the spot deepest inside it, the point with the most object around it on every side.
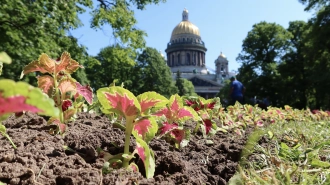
(185, 53)
(186, 50)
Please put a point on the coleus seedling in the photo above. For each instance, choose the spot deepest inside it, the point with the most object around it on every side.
(20, 96)
(176, 114)
(58, 84)
(207, 111)
(139, 122)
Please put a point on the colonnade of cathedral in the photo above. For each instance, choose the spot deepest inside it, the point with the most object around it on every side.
(186, 58)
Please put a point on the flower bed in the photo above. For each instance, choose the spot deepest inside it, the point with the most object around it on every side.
(41, 159)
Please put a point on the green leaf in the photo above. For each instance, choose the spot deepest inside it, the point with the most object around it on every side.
(270, 134)
(4, 58)
(318, 163)
(2, 129)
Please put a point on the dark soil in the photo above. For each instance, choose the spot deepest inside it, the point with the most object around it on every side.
(41, 159)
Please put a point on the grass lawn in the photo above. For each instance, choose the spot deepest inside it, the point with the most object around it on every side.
(286, 153)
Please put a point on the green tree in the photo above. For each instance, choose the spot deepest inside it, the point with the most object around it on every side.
(294, 69)
(29, 28)
(314, 4)
(261, 53)
(179, 83)
(153, 74)
(119, 14)
(110, 64)
(318, 54)
(189, 88)
(223, 94)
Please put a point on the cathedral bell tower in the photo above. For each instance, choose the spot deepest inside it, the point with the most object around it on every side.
(221, 64)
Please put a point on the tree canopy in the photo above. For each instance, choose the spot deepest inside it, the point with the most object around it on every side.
(112, 63)
(153, 74)
(291, 65)
(314, 4)
(262, 50)
(29, 28)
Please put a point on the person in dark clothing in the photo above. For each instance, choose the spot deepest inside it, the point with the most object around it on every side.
(237, 90)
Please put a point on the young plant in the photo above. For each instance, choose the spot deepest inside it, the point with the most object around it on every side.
(20, 96)
(58, 84)
(207, 111)
(175, 115)
(139, 122)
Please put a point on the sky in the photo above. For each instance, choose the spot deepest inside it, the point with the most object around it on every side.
(223, 24)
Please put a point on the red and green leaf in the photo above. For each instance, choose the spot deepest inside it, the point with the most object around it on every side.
(61, 126)
(66, 64)
(150, 100)
(209, 127)
(147, 157)
(213, 103)
(20, 95)
(199, 103)
(43, 65)
(178, 135)
(66, 85)
(133, 167)
(46, 84)
(119, 100)
(15, 104)
(175, 132)
(175, 110)
(68, 114)
(167, 127)
(66, 104)
(85, 91)
(63, 62)
(145, 129)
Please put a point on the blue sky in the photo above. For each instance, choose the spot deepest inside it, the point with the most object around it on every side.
(223, 25)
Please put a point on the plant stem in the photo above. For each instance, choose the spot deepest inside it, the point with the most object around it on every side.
(197, 127)
(7, 136)
(128, 132)
(58, 99)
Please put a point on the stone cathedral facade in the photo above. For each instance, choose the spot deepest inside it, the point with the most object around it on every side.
(186, 53)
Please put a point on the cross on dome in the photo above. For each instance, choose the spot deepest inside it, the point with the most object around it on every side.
(185, 15)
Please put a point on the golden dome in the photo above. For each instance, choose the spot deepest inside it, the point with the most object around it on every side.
(185, 27)
(222, 55)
